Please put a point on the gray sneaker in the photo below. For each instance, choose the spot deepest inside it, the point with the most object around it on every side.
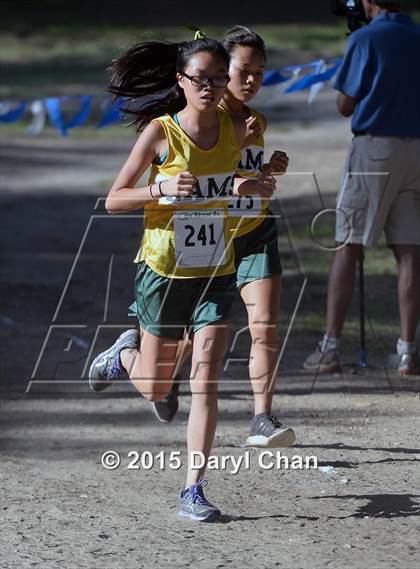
(267, 431)
(106, 367)
(323, 362)
(193, 504)
(408, 364)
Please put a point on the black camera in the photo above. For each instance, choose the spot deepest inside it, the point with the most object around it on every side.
(353, 10)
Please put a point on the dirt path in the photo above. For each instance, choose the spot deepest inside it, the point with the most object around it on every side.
(64, 509)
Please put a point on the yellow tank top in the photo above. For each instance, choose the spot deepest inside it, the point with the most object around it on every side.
(190, 237)
(247, 212)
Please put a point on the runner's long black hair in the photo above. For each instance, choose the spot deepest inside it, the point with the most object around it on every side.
(240, 35)
(145, 76)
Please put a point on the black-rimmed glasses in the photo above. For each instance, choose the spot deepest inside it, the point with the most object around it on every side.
(201, 81)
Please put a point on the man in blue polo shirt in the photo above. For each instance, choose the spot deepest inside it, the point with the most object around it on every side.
(379, 84)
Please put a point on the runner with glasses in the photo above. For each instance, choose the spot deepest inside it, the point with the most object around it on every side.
(185, 276)
(203, 82)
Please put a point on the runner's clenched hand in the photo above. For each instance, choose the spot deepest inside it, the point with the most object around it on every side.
(181, 185)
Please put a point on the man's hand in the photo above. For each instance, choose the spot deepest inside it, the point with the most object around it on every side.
(345, 104)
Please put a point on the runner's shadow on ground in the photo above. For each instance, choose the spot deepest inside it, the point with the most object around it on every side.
(226, 519)
(357, 463)
(381, 505)
(378, 506)
(340, 446)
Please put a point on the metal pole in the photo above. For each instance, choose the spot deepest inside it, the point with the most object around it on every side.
(362, 353)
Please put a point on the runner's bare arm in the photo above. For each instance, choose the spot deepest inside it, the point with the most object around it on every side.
(263, 186)
(279, 161)
(241, 130)
(123, 196)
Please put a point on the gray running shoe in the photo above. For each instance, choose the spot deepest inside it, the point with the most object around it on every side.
(193, 504)
(267, 431)
(166, 409)
(106, 367)
(323, 362)
(408, 365)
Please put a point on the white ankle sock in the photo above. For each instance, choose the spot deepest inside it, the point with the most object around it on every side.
(329, 343)
(405, 347)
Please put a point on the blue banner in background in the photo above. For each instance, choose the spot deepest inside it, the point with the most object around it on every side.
(12, 115)
(273, 78)
(53, 106)
(320, 71)
(309, 80)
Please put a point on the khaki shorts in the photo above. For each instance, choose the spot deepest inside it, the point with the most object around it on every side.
(380, 190)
